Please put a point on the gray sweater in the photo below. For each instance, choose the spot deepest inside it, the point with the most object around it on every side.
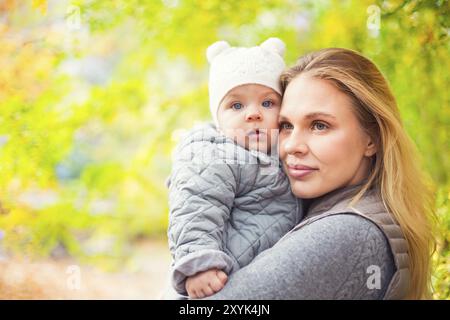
(327, 259)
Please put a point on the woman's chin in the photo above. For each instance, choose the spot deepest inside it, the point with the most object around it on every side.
(305, 189)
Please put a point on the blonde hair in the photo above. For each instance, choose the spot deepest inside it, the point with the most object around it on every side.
(395, 171)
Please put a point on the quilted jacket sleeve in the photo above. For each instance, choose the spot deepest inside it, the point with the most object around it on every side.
(201, 196)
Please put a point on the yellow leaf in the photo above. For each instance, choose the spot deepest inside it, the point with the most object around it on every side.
(41, 5)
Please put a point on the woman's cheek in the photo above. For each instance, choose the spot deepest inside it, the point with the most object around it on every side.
(331, 156)
(324, 149)
(338, 156)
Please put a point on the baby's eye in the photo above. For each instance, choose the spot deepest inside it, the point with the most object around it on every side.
(285, 126)
(267, 104)
(319, 126)
(237, 105)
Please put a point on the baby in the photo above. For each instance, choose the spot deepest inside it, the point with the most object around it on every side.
(229, 199)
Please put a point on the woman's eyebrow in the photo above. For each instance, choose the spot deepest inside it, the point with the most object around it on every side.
(319, 114)
(309, 116)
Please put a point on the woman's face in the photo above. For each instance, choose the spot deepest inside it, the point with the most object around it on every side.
(322, 145)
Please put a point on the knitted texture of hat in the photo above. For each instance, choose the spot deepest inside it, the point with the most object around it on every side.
(234, 66)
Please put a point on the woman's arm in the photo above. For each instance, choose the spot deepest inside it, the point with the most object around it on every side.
(331, 258)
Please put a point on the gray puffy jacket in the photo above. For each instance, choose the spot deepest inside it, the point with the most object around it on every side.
(227, 205)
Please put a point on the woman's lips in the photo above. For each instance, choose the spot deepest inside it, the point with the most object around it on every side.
(299, 171)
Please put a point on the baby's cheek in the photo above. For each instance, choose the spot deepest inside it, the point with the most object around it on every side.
(271, 117)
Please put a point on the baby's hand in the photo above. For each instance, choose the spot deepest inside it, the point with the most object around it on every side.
(205, 283)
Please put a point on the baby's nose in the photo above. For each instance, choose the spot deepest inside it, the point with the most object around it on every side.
(254, 116)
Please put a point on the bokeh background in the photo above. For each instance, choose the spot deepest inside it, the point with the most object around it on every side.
(94, 95)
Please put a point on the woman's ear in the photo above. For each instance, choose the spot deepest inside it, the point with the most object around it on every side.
(371, 148)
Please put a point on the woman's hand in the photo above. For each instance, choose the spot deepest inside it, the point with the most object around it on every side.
(205, 283)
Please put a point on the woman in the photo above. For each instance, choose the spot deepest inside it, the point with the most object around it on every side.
(367, 233)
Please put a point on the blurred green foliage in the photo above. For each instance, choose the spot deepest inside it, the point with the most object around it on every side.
(95, 93)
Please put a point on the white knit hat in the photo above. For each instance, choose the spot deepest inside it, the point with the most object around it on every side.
(235, 66)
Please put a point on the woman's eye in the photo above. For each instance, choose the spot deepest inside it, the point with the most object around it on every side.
(319, 126)
(236, 106)
(285, 126)
(267, 104)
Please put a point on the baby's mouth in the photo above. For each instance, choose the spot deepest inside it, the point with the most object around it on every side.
(255, 133)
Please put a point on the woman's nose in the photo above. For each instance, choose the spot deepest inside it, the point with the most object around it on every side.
(294, 144)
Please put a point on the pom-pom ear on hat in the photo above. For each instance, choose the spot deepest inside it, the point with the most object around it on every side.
(275, 45)
(215, 49)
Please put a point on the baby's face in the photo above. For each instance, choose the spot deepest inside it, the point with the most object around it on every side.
(249, 115)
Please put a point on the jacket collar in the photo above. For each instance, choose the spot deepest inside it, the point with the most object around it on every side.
(329, 200)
